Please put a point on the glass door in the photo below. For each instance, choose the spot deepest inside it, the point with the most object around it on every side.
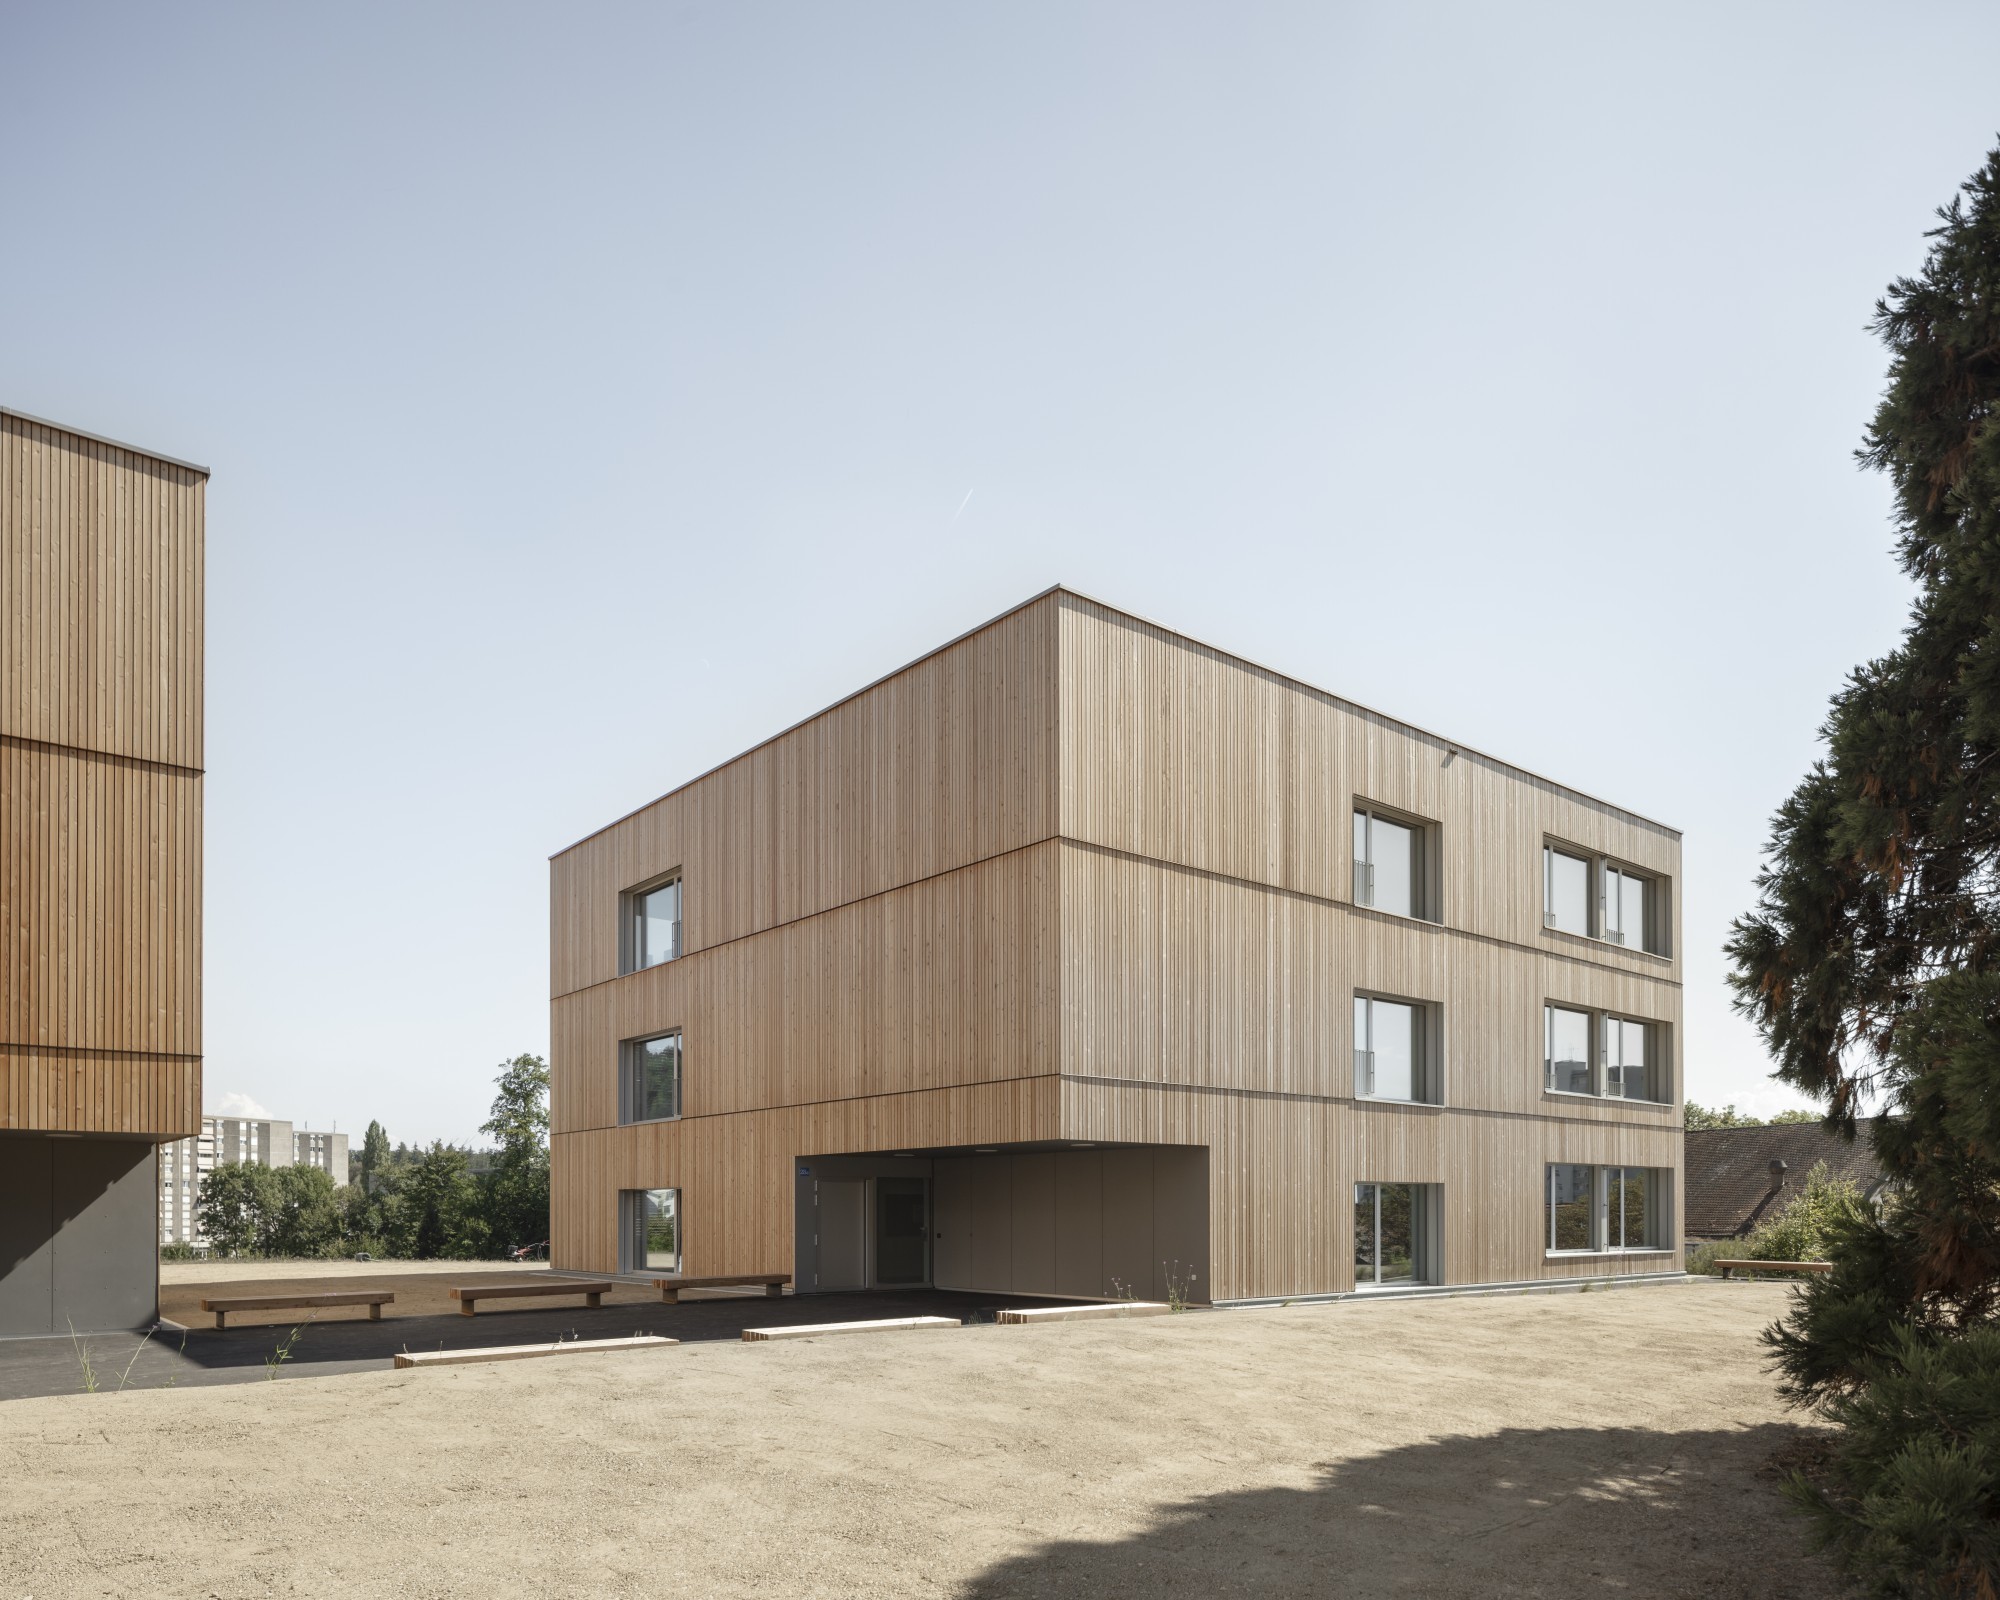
(1385, 1235)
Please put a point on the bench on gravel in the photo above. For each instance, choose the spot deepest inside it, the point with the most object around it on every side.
(1727, 1267)
(468, 1295)
(374, 1300)
(772, 1283)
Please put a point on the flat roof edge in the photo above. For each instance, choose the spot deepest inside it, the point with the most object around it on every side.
(1455, 745)
(98, 438)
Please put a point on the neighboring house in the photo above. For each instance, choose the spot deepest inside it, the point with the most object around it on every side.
(1738, 1179)
(185, 1162)
(100, 867)
(1078, 956)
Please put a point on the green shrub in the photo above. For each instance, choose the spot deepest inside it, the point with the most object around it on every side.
(1804, 1229)
(1911, 1496)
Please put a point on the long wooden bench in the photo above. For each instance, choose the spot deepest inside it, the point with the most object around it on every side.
(524, 1352)
(469, 1295)
(773, 1284)
(374, 1300)
(1726, 1267)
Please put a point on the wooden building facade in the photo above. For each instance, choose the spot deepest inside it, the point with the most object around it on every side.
(1079, 956)
(101, 595)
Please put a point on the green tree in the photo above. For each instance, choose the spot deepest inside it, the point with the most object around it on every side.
(374, 1156)
(517, 1182)
(1794, 1115)
(1872, 961)
(1700, 1116)
(304, 1215)
(436, 1209)
(235, 1208)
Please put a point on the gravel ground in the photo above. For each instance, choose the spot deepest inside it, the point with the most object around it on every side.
(1610, 1443)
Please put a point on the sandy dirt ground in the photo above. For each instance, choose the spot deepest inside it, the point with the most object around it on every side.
(1549, 1445)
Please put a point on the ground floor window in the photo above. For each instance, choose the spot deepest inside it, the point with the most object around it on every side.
(1395, 1234)
(1605, 1208)
(652, 1219)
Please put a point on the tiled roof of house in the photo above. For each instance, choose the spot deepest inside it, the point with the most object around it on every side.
(1730, 1181)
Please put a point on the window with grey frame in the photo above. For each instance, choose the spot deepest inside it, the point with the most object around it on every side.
(1599, 1053)
(652, 1078)
(1595, 1210)
(1393, 869)
(1396, 1234)
(1395, 1051)
(651, 1221)
(652, 924)
(1596, 897)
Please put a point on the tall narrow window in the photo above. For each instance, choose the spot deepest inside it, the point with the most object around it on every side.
(1391, 1058)
(653, 1078)
(652, 1230)
(653, 933)
(1628, 907)
(1630, 1213)
(1566, 1051)
(1571, 1208)
(1628, 1071)
(1565, 891)
(1389, 865)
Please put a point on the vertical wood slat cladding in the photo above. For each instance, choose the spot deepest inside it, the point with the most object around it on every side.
(945, 763)
(1176, 751)
(101, 574)
(948, 981)
(1172, 962)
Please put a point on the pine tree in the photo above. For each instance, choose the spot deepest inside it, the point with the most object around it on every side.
(1872, 962)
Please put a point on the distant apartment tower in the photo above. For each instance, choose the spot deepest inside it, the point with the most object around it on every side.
(101, 560)
(224, 1141)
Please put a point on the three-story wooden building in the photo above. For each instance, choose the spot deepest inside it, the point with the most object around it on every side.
(1078, 957)
(100, 865)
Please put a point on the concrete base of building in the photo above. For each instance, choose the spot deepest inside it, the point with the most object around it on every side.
(79, 1234)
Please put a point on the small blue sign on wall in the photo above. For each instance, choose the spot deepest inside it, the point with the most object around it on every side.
(805, 1172)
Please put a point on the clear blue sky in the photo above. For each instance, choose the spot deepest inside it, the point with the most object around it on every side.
(592, 391)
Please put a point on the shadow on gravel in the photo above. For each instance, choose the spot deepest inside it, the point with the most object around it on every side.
(344, 1341)
(1523, 1513)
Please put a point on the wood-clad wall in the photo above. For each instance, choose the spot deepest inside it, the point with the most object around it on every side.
(101, 573)
(948, 762)
(1077, 877)
(1211, 944)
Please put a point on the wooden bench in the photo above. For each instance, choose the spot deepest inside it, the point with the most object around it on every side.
(773, 1284)
(470, 1294)
(1726, 1267)
(374, 1300)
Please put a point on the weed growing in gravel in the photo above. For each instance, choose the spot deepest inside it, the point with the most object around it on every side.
(82, 1348)
(283, 1353)
(1179, 1286)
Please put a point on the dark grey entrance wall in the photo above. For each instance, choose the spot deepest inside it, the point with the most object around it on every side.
(79, 1234)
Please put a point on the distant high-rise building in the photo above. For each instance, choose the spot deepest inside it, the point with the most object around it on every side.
(223, 1141)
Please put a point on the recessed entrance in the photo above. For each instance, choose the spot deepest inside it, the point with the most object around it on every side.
(859, 1229)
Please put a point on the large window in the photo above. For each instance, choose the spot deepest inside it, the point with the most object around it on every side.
(653, 925)
(1605, 1208)
(1393, 1056)
(1565, 891)
(652, 1230)
(1390, 866)
(1629, 1063)
(1566, 1056)
(1395, 1234)
(1600, 899)
(652, 1078)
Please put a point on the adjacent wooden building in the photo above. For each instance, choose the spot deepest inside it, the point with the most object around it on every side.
(1078, 957)
(100, 865)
